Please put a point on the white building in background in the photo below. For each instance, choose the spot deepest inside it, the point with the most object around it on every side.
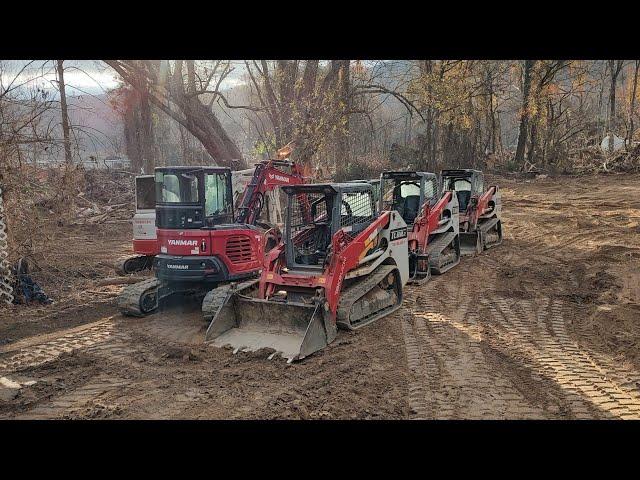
(618, 143)
(112, 162)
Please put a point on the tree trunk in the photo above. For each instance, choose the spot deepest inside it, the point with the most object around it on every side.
(632, 104)
(197, 118)
(524, 119)
(426, 148)
(342, 143)
(146, 136)
(532, 145)
(65, 114)
(132, 143)
(614, 67)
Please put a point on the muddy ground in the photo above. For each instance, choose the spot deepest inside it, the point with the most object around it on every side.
(547, 325)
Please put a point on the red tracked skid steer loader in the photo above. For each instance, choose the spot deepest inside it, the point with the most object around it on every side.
(480, 210)
(339, 264)
(432, 221)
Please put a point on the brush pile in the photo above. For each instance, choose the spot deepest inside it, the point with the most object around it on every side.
(594, 160)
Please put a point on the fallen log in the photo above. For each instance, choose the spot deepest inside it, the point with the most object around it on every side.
(118, 281)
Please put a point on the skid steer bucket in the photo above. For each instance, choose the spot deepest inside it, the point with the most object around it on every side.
(246, 323)
(470, 243)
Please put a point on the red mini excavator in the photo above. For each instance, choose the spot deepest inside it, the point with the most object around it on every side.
(432, 221)
(480, 210)
(145, 242)
(201, 242)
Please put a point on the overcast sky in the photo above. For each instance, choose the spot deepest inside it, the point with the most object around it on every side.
(81, 76)
(94, 77)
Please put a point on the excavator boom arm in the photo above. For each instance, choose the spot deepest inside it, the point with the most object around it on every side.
(266, 178)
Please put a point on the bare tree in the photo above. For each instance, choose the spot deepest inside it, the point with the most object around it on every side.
(615, 67)
(632, 103)
(166, 90)
(63, 110)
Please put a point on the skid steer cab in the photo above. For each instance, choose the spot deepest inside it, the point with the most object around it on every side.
(431, 217)
(340, 263)
(375, 188)
(197, 237)
(480, 209)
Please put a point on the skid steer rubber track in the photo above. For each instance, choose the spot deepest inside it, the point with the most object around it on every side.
(439, 260)
(491, 233)
(130, 300)
(357, 309)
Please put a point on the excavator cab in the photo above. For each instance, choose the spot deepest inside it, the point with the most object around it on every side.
(406, 192)
(193, 197)
(199, 243)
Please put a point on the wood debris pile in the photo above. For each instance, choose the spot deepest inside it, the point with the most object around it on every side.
(594, 160)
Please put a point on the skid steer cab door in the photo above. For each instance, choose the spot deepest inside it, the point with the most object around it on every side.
(468, 185)
(407, 192)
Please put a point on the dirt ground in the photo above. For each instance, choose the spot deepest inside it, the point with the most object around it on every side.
(543, 326)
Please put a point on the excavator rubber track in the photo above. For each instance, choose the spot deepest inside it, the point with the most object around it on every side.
(444, 253)
(129, 265)
(215, 299)
(130, 300)
(357, 309)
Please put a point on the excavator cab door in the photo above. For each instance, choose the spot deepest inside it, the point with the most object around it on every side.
(218, 198)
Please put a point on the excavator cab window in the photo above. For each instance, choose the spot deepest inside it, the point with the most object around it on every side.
(193, 197)
(218, 205)
(176, 187)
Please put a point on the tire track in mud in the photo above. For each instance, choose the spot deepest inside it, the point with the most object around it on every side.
(449, 374)
(541, 339)
(34, 352)
(84, 401)
(107, 394)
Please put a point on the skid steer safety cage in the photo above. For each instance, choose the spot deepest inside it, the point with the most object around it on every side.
(310, 227)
